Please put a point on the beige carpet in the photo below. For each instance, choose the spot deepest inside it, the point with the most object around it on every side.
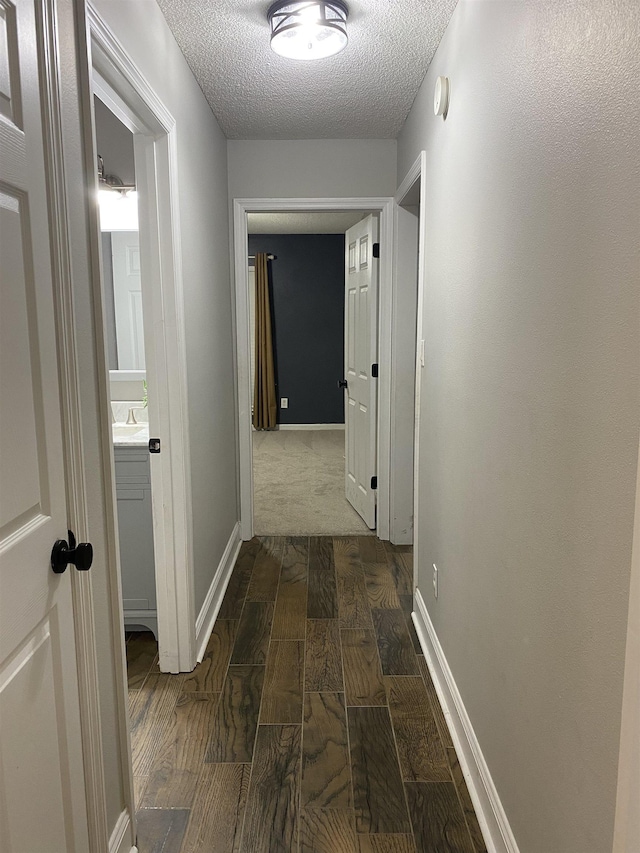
(298, 485)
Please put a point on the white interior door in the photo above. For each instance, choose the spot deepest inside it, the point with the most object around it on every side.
(360, 353)
(127, 293)
(42, 793)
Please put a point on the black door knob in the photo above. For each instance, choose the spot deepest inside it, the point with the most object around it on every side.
(63, 553)
(342, 383)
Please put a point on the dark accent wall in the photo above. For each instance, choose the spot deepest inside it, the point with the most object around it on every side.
(308, 315)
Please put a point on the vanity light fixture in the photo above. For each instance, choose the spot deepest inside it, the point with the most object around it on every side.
(308, 29)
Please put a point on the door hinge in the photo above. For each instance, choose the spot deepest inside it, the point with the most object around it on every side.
(374, 482)
(376, 250)
(374, 371)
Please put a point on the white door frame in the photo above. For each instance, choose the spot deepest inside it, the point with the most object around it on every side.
(418, 171)
(243, 206)
(119, 83)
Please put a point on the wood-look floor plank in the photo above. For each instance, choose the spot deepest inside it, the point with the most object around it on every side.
(291, 601)
(151, 714)
(323, 662)
(291, 610)
(322, 601)
(142, 655)
(161, 830)
(406, 603)
(327, 831)
(321, 553)
(353, 601)
(381, 587)
(437, 818)
(401, 566)
(271, 821)
(377, 786)
(363, 682)
(436, 707)
(252, 638)
(236, 718)
(209, 674)
(282, 692)
(465, 801)
(420, 751)
(180, 755)
(326, 775)
(371, 549)
(386, 844)
(218, 809)
(397, 549)
(233, 601)
(263, 585)
(397, 654)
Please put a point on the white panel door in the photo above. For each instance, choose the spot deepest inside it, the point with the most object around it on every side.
(42, 794)
(360, 353)
(127, 293)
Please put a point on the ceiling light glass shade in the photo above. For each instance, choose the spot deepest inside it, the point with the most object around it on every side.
(308, 29)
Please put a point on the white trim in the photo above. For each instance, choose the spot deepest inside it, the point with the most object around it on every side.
(489, 810)
(422, 284)
(213, 599)
(409, 179)
(122, 840)
(406, 289)
(314, 427)
(241, 206)
(118, 79)
(626, 834)
(74, 458)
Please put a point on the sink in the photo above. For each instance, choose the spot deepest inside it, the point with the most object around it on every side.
(130, 433)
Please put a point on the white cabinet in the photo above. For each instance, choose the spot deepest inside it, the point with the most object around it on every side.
(135, 523)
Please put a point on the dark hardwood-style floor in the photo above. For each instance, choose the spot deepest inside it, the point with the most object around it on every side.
(311, 725)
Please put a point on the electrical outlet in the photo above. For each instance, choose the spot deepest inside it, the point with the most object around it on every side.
(435, 580)
(284, 402)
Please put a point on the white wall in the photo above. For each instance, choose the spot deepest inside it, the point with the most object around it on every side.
(202, 177)
(306, 168)
(531, 411)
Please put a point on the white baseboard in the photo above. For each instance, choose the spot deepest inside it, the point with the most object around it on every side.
(310, 426)
(491, 815)
(122, 840)
(213, 600)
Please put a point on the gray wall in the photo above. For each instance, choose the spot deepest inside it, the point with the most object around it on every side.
(308, 319)
(115, 144)
(305, 168)
(530, 418)
(202, 183)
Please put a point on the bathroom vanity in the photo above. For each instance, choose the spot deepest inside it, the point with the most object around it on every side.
(135, 524)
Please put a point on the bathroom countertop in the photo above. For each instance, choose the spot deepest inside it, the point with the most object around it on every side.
(130, 435)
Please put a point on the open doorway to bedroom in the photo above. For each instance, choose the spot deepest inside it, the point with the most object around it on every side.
(299, 461)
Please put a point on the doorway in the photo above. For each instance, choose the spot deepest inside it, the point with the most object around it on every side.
(119, 86)
(122, 277)
(299, 466)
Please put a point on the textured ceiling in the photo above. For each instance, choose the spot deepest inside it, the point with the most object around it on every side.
(364, 92)
(324, 222)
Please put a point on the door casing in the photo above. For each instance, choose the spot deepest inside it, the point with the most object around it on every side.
(241, 207)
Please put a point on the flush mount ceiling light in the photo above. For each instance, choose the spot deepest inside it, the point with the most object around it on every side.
(308, 29)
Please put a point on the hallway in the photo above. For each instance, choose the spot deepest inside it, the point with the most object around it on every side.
(311, 725)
